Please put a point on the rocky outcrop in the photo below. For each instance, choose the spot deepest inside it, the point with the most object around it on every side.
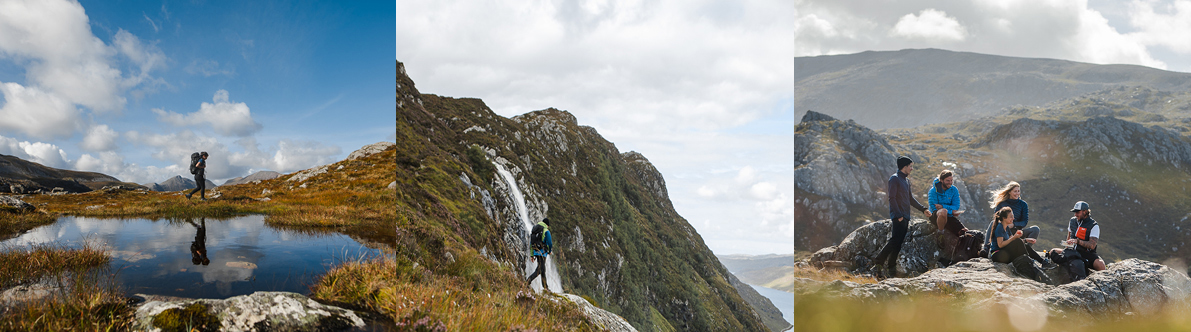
(1130, 286)
(920, 251)
(260, 311)
(369, 150)
(307, 174)
(258, 176)
(603, 319)
(15, 204)
(840, 173)
(177, 183)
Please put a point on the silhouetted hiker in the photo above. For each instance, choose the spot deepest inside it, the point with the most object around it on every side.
(1010, 196)
(542, 244)
(198, 248)
(944, 204)
(900, 201)
(199, 169)
(1008, 247)
(1084, 234)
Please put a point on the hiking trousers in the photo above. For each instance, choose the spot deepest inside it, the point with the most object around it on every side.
(541, 271)
(894, 247)
(201, 181)
(1030, 232)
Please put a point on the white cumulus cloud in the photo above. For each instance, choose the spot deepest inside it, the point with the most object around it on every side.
(34, 112)
(99, 138)
(930, 24)
(39, 152)
(225, 117)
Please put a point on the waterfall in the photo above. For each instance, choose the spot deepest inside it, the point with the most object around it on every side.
(523, 213)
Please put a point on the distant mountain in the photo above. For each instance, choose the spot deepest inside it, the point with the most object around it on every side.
(910, 88)
(258, 176)
(177, 183)
(27, 176)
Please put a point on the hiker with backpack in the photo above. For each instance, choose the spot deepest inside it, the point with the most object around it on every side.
(198, 167)
(944, 204)
(1008, 247)
(900, 201)
(542, 244)
(1010, 196)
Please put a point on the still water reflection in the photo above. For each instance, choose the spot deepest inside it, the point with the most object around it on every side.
(203, 257)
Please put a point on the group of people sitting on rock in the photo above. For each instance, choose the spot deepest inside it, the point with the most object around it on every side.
(1008, 239)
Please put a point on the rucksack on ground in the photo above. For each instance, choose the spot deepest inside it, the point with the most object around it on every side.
(194, 159)
(535, 236)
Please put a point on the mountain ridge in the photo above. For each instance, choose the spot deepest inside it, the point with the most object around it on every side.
(916, 87)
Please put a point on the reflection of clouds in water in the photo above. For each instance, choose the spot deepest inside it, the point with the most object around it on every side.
(40, 235)
(131, 256)
(98, 226)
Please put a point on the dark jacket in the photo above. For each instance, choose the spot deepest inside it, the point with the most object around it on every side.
(1087, 224)
(201, 169)
(1021, 211)
(900, 197)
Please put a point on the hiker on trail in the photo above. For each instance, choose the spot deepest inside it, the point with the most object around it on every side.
(198, 248)
(542, 244)
(1010, 196)
(1008, 247)
(1084, 234)
(943, 201)
(900, 201)
(198, 167)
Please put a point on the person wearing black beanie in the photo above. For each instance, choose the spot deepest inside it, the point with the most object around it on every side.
(900, 200)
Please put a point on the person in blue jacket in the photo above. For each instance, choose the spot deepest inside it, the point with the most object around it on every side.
(944, 203)
(542, 244)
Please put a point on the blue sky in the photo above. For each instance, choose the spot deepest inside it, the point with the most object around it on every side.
(130, 88)
(702, 88)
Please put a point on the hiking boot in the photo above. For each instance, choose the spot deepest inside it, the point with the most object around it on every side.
(188, 196)
(1048, 264)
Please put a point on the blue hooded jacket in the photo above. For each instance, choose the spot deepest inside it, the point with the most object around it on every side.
(949, 198)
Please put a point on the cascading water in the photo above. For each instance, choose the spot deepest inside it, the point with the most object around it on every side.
(523, 213)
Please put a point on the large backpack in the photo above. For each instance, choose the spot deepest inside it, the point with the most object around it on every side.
(194, 159)
(537, 237)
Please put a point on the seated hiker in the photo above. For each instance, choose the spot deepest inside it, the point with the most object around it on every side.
(1084, 234)
(944, 204)
(1010, 196)
(1009, 248)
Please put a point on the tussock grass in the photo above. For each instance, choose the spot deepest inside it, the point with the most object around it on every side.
(24, 266)
(87, 297)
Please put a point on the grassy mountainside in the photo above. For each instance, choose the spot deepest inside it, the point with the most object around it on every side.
(928, 86)
(27, 176)
(619, 241)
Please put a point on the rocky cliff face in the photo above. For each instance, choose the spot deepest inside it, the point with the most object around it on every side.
(258, 176)
(618, 240)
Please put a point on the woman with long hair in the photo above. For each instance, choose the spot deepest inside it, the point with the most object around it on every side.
(1008, 247)
(1010, 196)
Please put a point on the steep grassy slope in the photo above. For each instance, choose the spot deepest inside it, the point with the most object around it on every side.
(619, 241)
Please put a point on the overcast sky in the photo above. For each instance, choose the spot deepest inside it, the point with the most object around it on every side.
(704, 89)
(1142, 32)
(131, 88)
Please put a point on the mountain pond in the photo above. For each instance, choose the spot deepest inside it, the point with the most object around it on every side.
(203, 257)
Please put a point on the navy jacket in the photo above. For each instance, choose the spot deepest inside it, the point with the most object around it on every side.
(1021, 211)
(900, 197)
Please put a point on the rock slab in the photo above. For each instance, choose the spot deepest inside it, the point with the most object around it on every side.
(260, 311)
